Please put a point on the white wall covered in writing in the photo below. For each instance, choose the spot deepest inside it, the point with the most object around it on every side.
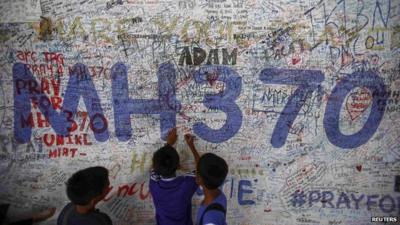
(326, 71)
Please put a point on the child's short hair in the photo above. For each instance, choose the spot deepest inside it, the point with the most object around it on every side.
(87, 184)
(212, 169)
(166, 161)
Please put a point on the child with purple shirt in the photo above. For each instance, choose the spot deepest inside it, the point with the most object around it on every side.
(210, 174)
(172, 195)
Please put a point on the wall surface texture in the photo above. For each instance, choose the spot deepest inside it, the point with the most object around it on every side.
(301, 97)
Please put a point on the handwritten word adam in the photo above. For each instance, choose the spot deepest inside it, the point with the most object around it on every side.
(167, 105)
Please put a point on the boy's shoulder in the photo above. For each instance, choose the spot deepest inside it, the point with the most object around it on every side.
(220, 200)
(101, 216)
(214, 217)
(215, 212)
(96, 217)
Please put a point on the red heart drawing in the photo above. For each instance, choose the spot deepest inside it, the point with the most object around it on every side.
(359, 168)
(357, 102)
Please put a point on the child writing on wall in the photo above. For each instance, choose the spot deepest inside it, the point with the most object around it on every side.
(172, 194)
(210, 174)
(85, 189)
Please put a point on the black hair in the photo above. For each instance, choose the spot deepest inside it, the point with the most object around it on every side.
(166, 161)
(213, 170)
(87, 184)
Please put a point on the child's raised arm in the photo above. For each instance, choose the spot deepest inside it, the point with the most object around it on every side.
(190, 142)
